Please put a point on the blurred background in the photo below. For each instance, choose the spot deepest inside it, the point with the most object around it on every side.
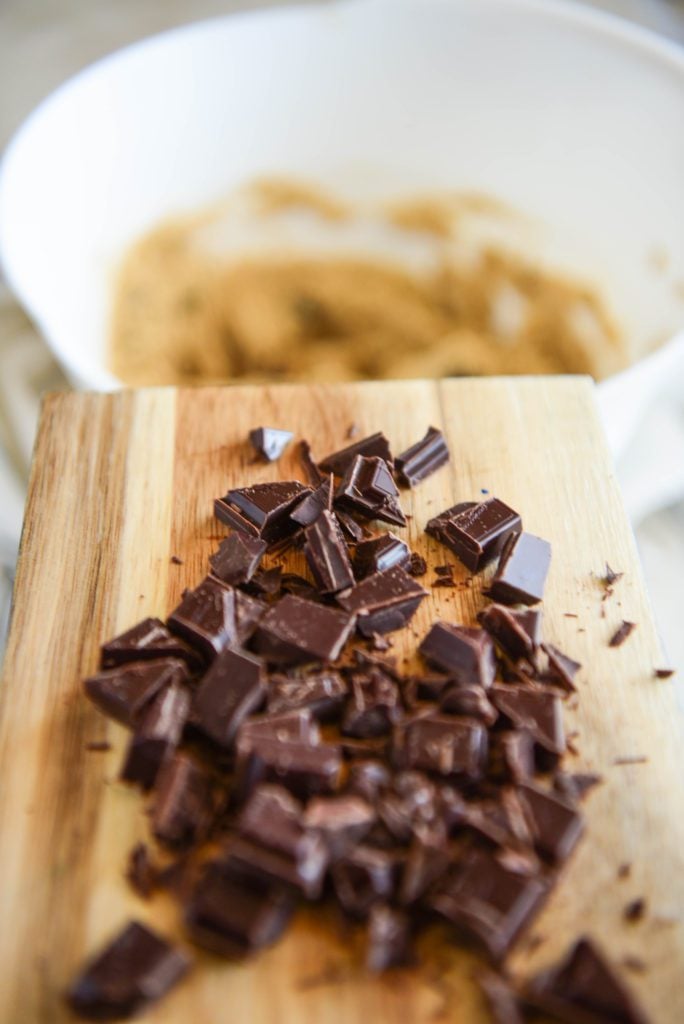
(42, 43)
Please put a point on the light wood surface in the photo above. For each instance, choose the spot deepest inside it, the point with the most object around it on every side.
(123, 482)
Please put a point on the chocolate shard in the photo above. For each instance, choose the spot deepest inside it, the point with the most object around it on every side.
(298, 725)
(467, 654)
(322, 693)
(237, 558)
(561, 670)
(374, 707)
(293, 583)
(149, 639)
(233, 688)
(182, 802)
(141, 873)
(488, 902)
(518, 633)
(555, 824)
(501, 998)
(536, 710)
(621, 633)
(135, 970)
(380, 553)
(383, 602)
(512, 755)
(522, 570)
(368, 489)
(303, 768)
(427, 862)
(417, 565)
(157, 736)
(584, 989)
(230, 916)
(326, 553)
(125, 691)
(309, 508)
(376, 445)
(368, 778)
(468, 700)
(269, 442)
(311, 471)
(341, 821)
(366, 876)
(296, 631)
(213, 616)
(389, 939)
(430, 686)
(442, 744)
(410, 808)
(350, 528)
(575, 786)
(475, 532)
(262, 510)
(422, 459)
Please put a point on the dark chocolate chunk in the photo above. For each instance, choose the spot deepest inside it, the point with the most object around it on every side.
(383, 602)
(368, 489)
(468, 700)
(500, 997)
(467, 654)
(583, 989)
(124, 692)
(309, 509)
(135, 970)
(538, 711)
(477, 532)
(157, 736)
(367, 779)
(301, 767)
(522, 570)
(349, 526)
(269, 442)
(182, 804)
(150, 639)
(323, 693)
(410, 808)
(213, 616)
(442, 744)
(422, 459)
(517, 633)
(311, 470)
(555, 824)
(341, 821)
(233, 688)
(141, 872)
(430, 687)
(561, 669)
(513, 755)
(417, 565)
(376, 446)
(262, 510)
(389, 939)
(237, 558)
(366, 876)
(575, 786)
(353, 749)
(427, 862)
(266, 583)
(293, 583)
(488, 902)
(230, 916)
(621, 633)
(374, 707)
(326, 553)
(296, 630)
(380, 553)
(663, 673)
(296, 724)
(635, 910)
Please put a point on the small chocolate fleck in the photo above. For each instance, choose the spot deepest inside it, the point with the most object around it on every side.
(663, 673)
(632, 759)
(98, 745)
(620, 635)
(624, 871)
(176, 560)
(635, 910)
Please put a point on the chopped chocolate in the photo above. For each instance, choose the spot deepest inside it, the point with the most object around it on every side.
(366, 876)
(100, 746)
(500, 997)
(635, 910)
(575, 786)
(538, 711)
(341, 821)
(375, 446)
(518, 633)
(141, 872)
(270, 443)
(262, 510)
(561, 669)
(309, 509)
(620, 635)
(182, 802)
(311, 471)
(296, 630)
(136, 969)
(422, 459)
(367, 779)
(297, 724)
(475, 532)
(442, 744)
(157, 736)
(555, 824)
(375, 705)
(426, 863)
(467, 654)
(611, 577)
(410, 808)
(522, 570)
(301, 767)
(125, 691)
(233, 688)
(293, 583)
(213, 616)
(383, 602)
(417, 565)
(237, 558)
(430, 687)
(326, 553)
(663, 673)
(377, 746)
(584, 988)
(322, 693)
(150, 639)
(368, 489)
(389, 939)
(468, 700)
(350, 527)
(380, 553)
(513, 754)
(266, 582)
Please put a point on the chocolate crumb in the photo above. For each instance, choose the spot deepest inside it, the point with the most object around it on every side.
(570, 615)
(624, 871)
(635, 910)
(417, 565)
(635, 759)
(98, 745)
(611, 577)
(176, 560)
(140, 871)
(663, 673)
(620, 635)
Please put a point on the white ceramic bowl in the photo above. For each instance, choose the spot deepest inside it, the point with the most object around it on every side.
(572, 116)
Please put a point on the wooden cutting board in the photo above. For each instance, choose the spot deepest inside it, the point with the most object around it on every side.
(120, 484)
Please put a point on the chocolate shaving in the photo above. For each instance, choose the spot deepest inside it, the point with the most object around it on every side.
(620, 635)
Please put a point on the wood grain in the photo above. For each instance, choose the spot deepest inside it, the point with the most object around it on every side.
(123, 482)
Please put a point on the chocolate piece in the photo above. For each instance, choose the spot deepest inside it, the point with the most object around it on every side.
(422, 459)
(376, 445)
(410, 808)
(213, 616)
(488, 902)
(383, 602)
(349, 526)
(561, 670)
(269, 442)
(467, 654)
(468, 700)
(233, 688)
(500, 997)
(620, 635)
(237, 558)
(367, 779)
(374, 706)
(140, 871)
(475, 532)
(341, 821)
(297, 725)
(157, 735)
(426, 863)
(367, 488)
(296, 630)
(266, 582)
(517, 633)
(430, 687)
(353, 749)
(555, 825)
(124, 692)
(522, 570)
(323, 693)
(135, 970)
(150, 639)
(583, 989)
(513, 755)
(327, 556)
(304, 769)
(311, 471)
(98, 746)
(365, 877)
(262, 510)
(380, 553)
(389, 939)
(293, 583)
(417, 566)
(663, 673)
(538, 711)
(309, 509)
(575, 787)
(442, 744)
(635, 910)
(182, 805)
(232, 917)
